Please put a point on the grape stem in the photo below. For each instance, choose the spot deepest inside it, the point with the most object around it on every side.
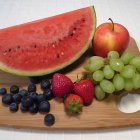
(112, 23)
(78, 79)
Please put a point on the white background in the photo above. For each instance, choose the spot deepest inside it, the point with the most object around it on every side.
(126, 12)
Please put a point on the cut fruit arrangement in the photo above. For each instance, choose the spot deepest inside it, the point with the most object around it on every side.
(48, 45)
(75, 96)
(42, 47)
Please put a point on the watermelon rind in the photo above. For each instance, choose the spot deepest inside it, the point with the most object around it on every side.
(7, 69)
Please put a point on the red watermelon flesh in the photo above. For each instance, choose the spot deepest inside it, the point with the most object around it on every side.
(47, 45)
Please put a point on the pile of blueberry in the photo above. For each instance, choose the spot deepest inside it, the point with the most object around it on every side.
(29, 100)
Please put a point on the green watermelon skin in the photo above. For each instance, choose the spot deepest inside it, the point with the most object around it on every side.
(44, 46)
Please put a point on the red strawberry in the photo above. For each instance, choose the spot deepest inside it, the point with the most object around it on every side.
(61, 85)
(73, 103)
(85, 89)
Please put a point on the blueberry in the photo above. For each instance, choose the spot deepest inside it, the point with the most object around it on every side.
(3, 91)
(33, 108)
(35, 80)
(26, 101)
(14, 89)
(40, 98)
(23, 93)
(32, 88)
(13, 107)
(48, 94)
(33, 95)
(45, 84)
(49, 119)
(7, 99)
(23, 108)
(17, 98)
(44, 107)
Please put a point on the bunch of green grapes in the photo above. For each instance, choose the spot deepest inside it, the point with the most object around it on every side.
(114, 73)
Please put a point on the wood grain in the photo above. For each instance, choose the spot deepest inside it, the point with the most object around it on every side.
(98, 115)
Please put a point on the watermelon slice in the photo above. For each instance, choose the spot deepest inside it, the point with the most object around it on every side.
(47, 45)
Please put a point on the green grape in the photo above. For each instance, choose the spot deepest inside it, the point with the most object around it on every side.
(116, 64)
(92, 67)
(86, 66)
(136, 81)
(113, 55)
(138, 70)
(98, 75)
(128, 84)
(94, 63)
(99, 93)
(127, 57)
(128, 71)
(94, 58)
(107, 86)
(118, 82)
(108, 72)
(135, 62)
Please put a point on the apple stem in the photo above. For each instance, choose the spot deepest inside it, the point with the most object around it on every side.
(112, 23)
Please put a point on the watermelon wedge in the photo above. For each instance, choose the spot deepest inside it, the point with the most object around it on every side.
(47, 45)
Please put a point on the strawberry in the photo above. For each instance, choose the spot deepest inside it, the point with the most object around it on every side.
(61, 85)
(85, 89)
(73, 103)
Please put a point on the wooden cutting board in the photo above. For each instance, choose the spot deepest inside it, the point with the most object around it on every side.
(98, 115)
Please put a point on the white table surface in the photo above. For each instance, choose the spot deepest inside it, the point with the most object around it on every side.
(126, 12)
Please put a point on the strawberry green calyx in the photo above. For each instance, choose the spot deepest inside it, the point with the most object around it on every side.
(75, 106)
(73, 103)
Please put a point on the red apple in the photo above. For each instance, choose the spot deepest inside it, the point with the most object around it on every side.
(110, 37)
